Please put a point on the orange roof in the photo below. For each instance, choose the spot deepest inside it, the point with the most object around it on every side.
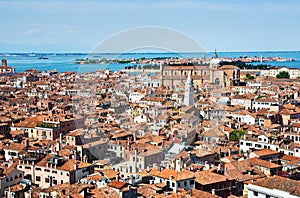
(69, 165)
(263, 163)
(15, 147)
(109, 173)
(177, 176)
(117, 184)
(265, 152)
(297, 124)
(280, 183)
(207, 177)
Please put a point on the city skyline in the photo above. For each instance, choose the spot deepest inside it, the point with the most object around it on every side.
(58, 26)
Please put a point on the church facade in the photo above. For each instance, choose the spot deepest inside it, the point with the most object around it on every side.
(221, 76)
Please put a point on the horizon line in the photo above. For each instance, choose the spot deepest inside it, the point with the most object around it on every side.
(151, 52)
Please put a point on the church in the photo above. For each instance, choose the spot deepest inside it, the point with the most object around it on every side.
(214, 73)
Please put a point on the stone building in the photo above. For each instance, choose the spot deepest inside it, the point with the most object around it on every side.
(224, 76)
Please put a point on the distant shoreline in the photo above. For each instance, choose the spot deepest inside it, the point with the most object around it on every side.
(132, 53)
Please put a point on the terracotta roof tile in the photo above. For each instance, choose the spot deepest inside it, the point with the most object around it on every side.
(177, 176)
(280, 183)
(117, 184)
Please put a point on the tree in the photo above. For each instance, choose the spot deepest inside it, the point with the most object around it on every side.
(283, 74)
(236, 135)
(260, 96)
(249, 77)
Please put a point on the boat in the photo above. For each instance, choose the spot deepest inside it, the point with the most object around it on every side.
(43, 58)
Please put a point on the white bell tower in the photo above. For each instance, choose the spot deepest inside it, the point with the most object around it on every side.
(189, 92)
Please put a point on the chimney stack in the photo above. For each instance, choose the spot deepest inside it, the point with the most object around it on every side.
(4, 62)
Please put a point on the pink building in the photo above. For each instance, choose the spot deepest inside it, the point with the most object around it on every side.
(52, 127)
(53, 170)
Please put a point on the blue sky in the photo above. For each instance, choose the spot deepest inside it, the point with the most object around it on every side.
(78, 26)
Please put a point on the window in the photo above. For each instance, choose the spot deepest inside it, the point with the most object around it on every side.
(192, 182)
(38, 178)
(47, 180)
(255, 193)
(258, 145)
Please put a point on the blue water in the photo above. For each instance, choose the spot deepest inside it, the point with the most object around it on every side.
(66, 62)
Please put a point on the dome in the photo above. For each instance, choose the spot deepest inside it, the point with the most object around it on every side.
(215, 61)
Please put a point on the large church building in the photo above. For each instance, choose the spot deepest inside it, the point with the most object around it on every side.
(221, 76)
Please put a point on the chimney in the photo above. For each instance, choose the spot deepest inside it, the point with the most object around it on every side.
(213, 191)
(60, 139)
(75, 165)
(4, 62)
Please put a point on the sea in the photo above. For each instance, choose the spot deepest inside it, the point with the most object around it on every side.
(66, 61)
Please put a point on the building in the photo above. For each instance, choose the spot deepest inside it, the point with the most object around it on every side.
(9, 175)
(265, 103)
(256, 142)
(221, 76)
(275, 187)
(139, 160)
(53, 170)
(294, 72)
(6, 70)
(215, 183)
(51, 127)
(174, 179)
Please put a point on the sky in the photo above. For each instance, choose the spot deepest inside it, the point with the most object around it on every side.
(79, 26)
